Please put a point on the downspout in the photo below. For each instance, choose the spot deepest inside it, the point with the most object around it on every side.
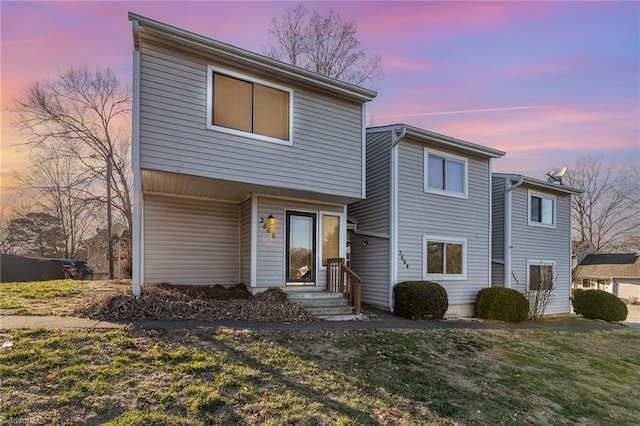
(507, 228)
(137, 237)
(393, 220)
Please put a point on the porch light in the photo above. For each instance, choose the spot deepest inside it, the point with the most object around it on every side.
(269, 225)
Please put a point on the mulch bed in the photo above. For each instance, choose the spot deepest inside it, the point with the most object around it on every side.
(171, 302)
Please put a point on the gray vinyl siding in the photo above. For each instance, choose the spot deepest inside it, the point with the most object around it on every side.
(371, 263)
(327, 131)
(190, 241)
(497, 275)
(542, 244)
(497, 209)
(245, 242)
(421, 213)
(372, 213)
(271, 251)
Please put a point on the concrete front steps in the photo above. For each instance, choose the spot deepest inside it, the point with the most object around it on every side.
(321, 303)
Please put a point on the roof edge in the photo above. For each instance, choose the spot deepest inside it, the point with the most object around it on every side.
(296, 73)
(540, 183)
(424, 135)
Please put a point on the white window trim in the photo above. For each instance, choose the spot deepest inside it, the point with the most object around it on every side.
(209, 118)
(542, 263)
(530, 194)
(341, 243)
(446, 155)
(444, 277)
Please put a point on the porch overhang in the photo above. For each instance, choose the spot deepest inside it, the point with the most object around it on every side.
(184, 185)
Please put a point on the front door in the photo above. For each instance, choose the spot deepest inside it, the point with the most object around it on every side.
(301, 248)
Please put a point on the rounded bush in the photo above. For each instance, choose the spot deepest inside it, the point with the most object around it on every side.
(420, 300)
(598, 304)
(503, 304)
(575, 291)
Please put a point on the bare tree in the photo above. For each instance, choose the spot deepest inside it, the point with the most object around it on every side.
(83, 114)
(61, 187)
(325, 44)
(607, 212)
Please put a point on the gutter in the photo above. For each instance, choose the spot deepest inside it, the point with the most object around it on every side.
(393, 213)
(137, 265)
(507, 226)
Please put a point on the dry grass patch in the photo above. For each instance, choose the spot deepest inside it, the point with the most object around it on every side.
(224, 376)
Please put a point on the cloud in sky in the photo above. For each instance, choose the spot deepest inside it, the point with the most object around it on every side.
(532, 78)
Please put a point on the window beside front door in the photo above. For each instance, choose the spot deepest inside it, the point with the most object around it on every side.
(330, 238)
(301, 248)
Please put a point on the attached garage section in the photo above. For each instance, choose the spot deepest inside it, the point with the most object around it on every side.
(190, 241)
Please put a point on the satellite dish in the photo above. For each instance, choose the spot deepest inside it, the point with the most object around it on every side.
(556, 177)
(116, 230)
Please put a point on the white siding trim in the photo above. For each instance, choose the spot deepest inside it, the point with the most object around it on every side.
(444, 277)
(507, 233)
(244, 77)
(254, 240)
(490, 183)
(393, 221)
(363, 167)
(137, 231)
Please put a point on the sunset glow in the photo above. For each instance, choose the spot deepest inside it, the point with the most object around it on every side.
(547, 82)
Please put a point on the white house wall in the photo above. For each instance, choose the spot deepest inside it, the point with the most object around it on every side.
(420, 213)
(189, 241)
(535, 243)
(327, 132)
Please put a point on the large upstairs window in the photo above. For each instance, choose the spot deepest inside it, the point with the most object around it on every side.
(542, 210)
(445, 174)
(248, 107)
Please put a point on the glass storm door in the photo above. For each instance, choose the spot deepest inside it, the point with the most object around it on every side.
(301, 248)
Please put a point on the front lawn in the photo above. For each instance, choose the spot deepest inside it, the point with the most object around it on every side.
(40, 297)
(222, 376)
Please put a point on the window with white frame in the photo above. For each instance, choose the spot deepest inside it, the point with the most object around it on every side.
(245, 106)
(444, 258)
(540, 275)
(445, 173)
(542, 209)
(586, 283)
(330, 237)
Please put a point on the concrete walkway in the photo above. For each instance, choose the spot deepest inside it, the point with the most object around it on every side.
(378, 320)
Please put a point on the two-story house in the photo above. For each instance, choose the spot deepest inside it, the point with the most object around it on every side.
(427, 215)
(243, 165)
(532, 238)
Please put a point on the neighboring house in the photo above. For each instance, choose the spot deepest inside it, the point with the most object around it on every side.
(580, 250)
(97, 255)
(618, 274)
(531, 248)
(243, 165)
(427, 215)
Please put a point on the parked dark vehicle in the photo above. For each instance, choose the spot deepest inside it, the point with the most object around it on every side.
(85, 272)
(69, 269)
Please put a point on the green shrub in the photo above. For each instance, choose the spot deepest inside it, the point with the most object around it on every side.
(575, 291)
(504, 304)
(420, 300)
(598, 304)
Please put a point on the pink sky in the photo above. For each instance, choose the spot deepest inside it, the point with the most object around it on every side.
(548, 82)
